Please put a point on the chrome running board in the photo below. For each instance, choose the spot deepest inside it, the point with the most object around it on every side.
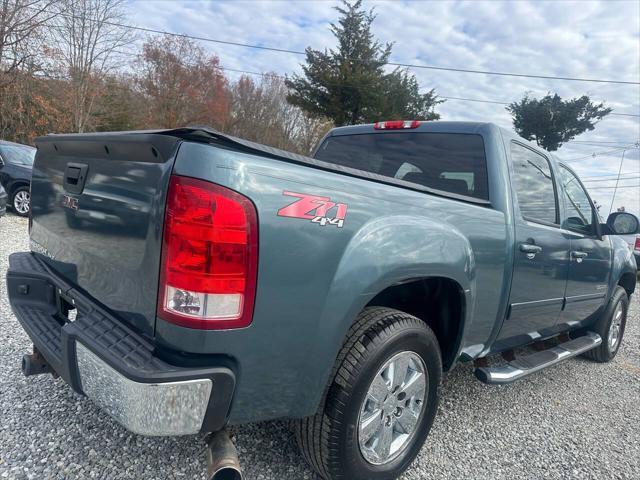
(524, 366)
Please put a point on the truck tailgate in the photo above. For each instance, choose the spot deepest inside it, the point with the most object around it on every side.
(97, 216)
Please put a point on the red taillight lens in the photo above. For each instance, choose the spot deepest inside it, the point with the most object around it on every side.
(637, 245)
(396, 124)
(209, 256)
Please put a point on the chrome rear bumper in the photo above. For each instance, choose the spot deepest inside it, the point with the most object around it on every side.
(171, 408)
(100, 356)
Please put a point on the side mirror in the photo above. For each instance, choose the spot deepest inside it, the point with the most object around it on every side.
(621, 223)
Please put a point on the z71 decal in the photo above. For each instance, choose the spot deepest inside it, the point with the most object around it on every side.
(320, 210)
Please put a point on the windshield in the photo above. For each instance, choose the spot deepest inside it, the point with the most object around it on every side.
(18, 155)
(449, 162)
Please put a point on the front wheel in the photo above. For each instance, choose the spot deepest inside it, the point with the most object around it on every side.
(611, 326)
(381, 403)
(21, 201)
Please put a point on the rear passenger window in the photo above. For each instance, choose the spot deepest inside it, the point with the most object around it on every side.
(449, 162)
(533, 183)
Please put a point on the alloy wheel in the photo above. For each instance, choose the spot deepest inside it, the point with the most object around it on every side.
(392, 408)
(21, 202)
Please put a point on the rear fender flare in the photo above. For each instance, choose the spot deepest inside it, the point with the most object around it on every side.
(374, 260)
(622, 263)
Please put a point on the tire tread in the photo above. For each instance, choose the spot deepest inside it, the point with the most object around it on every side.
(318, 435)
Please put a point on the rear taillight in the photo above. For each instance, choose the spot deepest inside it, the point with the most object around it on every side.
(637, 245)
(209, 256)
(396, 124)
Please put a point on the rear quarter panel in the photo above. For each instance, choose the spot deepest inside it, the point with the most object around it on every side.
(313, 280)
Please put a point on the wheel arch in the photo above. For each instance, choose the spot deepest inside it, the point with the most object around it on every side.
(439, 302)
(429, 252)
(628, 281)
(15, 185)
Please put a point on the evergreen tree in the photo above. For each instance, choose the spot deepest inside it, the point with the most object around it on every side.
(551, 121)
(349, 85)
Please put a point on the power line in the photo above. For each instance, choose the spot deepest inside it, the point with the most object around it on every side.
(610, 179)
(273, 74)
(394, 64)
(596, 154)
(610, 175)
(496, 102)
(507, 103)
(596, 142)
(612, 188)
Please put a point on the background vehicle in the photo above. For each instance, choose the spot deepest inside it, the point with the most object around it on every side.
(634, 245)
(16, 162)
(334, 291)
(3, 201)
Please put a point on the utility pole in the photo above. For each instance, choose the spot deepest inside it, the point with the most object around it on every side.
(636, 145)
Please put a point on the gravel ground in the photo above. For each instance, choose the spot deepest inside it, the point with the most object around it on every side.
(577, 420)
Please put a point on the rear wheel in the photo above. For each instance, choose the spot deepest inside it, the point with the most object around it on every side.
(611, 326)
(21, 201)
(382, 400)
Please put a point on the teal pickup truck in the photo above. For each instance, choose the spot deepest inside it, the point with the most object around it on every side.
(185, 280)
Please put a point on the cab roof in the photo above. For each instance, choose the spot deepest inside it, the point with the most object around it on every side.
(424, 126)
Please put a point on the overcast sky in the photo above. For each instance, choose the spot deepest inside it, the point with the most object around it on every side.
(588, 39)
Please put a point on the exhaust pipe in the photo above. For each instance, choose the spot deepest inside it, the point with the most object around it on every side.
(35, 364)
(222, 458)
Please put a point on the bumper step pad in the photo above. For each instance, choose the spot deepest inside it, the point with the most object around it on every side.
(526, 365)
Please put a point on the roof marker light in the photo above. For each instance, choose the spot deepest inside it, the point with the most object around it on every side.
(396, 124)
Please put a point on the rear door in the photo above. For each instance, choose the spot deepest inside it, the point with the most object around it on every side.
(541, 249)
(97, 216)
(590, 263)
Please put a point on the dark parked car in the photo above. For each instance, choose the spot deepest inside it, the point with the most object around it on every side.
(3, 201)
(16, 163)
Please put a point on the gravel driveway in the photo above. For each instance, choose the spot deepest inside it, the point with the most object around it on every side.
(577, 420)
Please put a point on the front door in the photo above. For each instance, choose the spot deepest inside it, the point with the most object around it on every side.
(541, 250)
(590, 253)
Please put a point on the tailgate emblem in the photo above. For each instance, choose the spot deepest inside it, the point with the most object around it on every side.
(70, 202)
(315, 208)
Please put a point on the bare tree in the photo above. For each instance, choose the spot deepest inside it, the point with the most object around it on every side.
(23, 32)
(260, 112)
(22, 25)
(90, 36)
(182, 83)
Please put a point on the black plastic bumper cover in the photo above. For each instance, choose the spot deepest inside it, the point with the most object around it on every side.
(35, 294)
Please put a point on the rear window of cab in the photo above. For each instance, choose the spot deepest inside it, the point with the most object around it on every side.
(449, 162)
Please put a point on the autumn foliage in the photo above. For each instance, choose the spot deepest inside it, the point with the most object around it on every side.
(182, 85)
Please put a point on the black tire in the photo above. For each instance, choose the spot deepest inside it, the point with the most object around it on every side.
(73, 221)
(329, 440)
(14, 196)
(604, 353)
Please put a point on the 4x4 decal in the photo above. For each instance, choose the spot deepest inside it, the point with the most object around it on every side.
(315, 208)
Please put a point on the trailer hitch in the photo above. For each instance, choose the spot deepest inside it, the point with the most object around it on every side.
(35, 364)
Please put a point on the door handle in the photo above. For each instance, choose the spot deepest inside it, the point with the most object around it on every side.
(578, 255)
(529, 248)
